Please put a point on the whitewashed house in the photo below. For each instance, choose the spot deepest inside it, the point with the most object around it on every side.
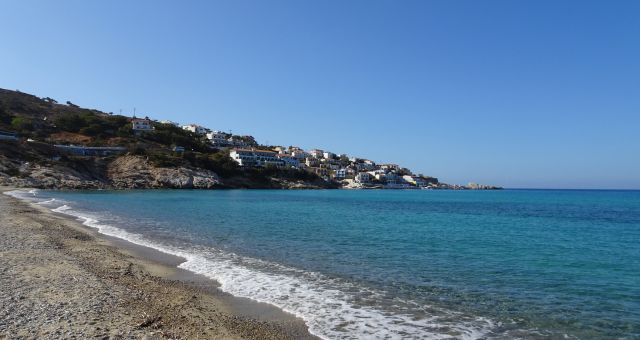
(218, 138)
(254, 157)
(328, 155)
(197, 129)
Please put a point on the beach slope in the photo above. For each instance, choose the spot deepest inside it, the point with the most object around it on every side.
(60, 280)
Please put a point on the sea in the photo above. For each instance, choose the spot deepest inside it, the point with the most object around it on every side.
(398, 264)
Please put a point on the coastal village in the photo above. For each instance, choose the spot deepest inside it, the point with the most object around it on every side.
(351, 172)
(63, 145)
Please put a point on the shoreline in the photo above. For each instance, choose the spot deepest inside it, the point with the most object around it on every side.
(117, 267)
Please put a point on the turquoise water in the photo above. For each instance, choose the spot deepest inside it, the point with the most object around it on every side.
(401, 264)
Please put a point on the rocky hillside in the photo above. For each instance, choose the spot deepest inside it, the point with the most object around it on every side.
(148, 160)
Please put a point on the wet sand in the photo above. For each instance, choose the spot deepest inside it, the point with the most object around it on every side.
(60, 279)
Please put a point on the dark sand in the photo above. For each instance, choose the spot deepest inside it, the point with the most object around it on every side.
(60, 279)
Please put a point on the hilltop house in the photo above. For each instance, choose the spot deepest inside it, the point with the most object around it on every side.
(197, 129)
(141, 124)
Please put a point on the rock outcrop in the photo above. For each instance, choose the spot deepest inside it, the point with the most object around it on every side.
(125, 172)
(136, 172)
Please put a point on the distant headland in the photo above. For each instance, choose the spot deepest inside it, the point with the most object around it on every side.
(46, 144)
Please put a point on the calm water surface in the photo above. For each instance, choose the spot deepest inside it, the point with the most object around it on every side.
(401, 264)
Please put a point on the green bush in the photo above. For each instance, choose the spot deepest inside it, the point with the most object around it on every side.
(22, 123)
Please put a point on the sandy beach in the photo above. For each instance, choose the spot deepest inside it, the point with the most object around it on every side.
(60, 279)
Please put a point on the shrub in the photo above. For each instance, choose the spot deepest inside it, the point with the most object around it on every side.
(22, 123)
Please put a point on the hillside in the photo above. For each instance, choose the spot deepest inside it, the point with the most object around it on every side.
(147, 160)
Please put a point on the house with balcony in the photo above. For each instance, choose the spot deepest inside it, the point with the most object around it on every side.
(255, 158)
(340, 174)
(218, 138)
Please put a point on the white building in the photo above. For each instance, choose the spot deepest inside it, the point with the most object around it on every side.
(254, 157)
(141, 124)
(218, 138)
(329, 155)
(317, 153)
(340, 174)
(300, 154)
(197, 129)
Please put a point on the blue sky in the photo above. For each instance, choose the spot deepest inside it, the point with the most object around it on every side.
(514, 93)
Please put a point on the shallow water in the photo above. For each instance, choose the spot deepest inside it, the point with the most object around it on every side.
(400, 264)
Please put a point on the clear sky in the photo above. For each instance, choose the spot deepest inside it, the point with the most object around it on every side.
(514, 93)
